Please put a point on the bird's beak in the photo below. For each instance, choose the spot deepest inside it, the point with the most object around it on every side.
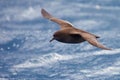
(52, 39)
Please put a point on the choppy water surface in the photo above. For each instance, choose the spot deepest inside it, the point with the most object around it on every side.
(25, 51)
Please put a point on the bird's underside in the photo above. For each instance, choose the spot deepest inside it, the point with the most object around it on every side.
(69, 34)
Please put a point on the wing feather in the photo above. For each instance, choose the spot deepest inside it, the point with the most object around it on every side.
(93, 40)
(62, 23)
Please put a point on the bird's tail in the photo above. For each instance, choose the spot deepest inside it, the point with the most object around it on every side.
(46, 14)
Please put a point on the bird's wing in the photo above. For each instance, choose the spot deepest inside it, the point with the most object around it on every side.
(92, 39)
(62, 23)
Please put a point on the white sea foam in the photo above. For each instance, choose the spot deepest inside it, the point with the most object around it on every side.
(4, 79)
(111, 70)
(88, 24)
(19, 14)
(51, 58)
(108, 71)
(28, 14)
(44, 60)
(97, 6)
(107, 52)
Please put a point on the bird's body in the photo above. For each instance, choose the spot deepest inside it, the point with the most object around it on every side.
(69, 34)
(65, 36)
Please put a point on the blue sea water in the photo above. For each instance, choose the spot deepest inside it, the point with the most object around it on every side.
(27, 54)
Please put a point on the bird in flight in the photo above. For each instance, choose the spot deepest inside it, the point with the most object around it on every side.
(69, 34)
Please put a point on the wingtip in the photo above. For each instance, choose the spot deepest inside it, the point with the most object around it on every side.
(42, 9)
(104, 47)
(108, 49)
(45, 14)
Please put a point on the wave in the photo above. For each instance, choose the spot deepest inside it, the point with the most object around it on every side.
(51, 58)
(20, 14)
(105, 52)
(33, 12)
(44, 60)
(107, 71)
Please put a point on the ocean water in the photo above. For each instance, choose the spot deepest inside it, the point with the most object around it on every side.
(27, 54)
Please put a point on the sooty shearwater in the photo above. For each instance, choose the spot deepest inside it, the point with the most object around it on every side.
(69, 34)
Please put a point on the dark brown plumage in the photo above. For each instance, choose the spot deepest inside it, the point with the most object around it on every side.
(69, 34)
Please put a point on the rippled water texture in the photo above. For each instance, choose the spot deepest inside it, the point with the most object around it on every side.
(27, 54)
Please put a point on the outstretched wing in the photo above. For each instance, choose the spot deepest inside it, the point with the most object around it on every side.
(62, 23)
(92, 39)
